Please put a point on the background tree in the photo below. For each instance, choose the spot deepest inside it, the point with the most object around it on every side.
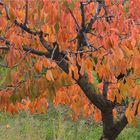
(95, 43)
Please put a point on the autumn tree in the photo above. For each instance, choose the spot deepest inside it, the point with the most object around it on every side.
(85, 54)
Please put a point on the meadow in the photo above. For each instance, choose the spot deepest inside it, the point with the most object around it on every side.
(55, 125)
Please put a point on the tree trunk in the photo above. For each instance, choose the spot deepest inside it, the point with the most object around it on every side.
(110, 129)
(107, 119)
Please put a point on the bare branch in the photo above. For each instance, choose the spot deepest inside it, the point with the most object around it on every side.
(136, 111)
(64, 58)
(39, 33)
(105, 87)
(86, 51)
(83, 15)
(4, 47)
(52, 55)
(44, 42)
(7, 12)
(37, 52)
(7, 43)
(88, 2)
(25, 48)
(106, 16)
(25, 28)
(26, 13)
(4, 39)
(30, 50)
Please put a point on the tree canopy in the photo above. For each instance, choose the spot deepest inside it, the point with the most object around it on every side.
(85, 54)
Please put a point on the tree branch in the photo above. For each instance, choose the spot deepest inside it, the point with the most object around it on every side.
(53, 52)
(4, 39)
(28, 30)
(44, 42)
(121, 124)
(94, 18)
(37, 52)
(7, 12)
(4, 47)
(26, 13)
(97, 99)
(25, 28)
(105, 87)
(90, 91)
(82, 15)
(87, 51)
(31, 50)
(39, 33)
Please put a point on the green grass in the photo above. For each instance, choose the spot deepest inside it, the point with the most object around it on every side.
(55, 125)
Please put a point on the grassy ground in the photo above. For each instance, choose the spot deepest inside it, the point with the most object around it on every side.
(52, 126)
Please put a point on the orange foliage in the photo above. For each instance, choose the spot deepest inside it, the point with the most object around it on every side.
(37, 78)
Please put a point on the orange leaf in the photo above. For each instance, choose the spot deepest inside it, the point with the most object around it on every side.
(7, 126)
(39, 65)
(139, 110)
(49, 75)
